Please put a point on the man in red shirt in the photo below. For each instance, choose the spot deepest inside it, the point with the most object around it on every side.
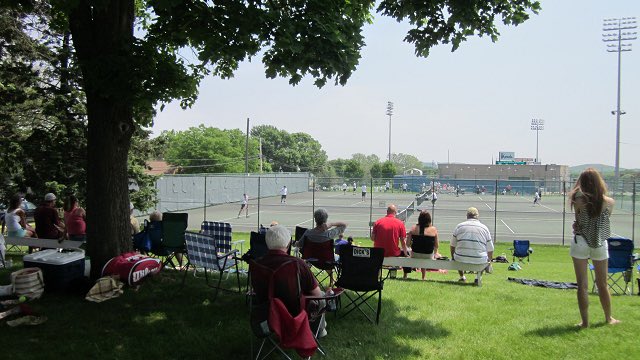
(387, 231)
(48, 224)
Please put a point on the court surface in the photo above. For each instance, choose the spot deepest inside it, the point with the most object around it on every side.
(508, 217)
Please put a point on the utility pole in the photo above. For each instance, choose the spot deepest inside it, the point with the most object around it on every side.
(615, 38)
(246, 151)
(389, 113)
(260, 154)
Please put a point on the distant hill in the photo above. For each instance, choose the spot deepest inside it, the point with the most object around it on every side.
(600, 167)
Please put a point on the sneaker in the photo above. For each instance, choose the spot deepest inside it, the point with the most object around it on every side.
(462, 279)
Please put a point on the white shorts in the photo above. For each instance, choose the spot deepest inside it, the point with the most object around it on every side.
(581, 250)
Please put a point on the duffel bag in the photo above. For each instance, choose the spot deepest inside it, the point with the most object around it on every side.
(132, 267)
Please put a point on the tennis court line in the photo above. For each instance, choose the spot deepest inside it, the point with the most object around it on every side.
(302, 202)
(549, 208)
(357, 203)
(488, 206)
(505, 224)
(302, 222)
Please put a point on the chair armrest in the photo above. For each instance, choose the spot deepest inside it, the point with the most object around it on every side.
(238, 242)
(232, 252)
(336, 294)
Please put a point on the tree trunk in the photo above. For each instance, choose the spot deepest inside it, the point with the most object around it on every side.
(103, 39)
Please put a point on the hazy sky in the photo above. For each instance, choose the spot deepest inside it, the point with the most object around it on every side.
(466, 106)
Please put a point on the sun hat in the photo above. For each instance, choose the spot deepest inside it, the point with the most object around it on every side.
(49, 197)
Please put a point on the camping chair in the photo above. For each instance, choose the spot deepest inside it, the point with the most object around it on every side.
(521, 249)
(172, 245)
(150, 238)
(321, 257)
(272, 328)
(361, 272)
(203, 251)
(222, 232)
(620, 266)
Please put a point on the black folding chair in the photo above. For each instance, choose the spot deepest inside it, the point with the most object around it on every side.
(172, 246)
(203, 252)
(361, 272)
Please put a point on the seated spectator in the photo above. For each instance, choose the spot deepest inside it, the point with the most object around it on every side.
(323, 231)
(16, 219)
(135, 225)
(340, 241)
(155, 216)
(424, 227)
(48, 224)
(74, 220)
(471, 242)
(278, 239)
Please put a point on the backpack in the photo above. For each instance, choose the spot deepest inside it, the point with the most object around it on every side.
(132, 267)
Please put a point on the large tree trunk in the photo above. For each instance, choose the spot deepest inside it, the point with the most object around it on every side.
(103, 39)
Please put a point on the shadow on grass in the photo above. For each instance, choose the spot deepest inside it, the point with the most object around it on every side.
(554, 331)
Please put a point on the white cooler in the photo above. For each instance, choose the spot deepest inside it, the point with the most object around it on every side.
(59, 268)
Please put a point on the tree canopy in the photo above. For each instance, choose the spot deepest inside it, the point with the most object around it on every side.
(126, 74)
(290, 152)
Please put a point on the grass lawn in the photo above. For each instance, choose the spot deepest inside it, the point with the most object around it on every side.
(437, 318)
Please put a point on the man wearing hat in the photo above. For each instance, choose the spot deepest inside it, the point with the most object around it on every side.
(48, 224)
(471, 242)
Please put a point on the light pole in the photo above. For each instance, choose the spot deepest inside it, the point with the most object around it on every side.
(389, 113)
(612, 32)
(537, 125)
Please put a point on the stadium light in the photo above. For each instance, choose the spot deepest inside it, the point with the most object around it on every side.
(537, 125)
(389, 113)
(613, 32)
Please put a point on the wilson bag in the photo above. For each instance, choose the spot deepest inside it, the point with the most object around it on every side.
(132, 267)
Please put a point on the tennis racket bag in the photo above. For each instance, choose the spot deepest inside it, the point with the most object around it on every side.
(132, 267)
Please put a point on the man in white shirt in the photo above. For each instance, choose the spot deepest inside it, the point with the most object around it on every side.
(283, 194)
(471, 242)
(364, 192)
(344, 188)
(244, 205)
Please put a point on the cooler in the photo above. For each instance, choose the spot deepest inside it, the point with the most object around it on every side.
(59, 269)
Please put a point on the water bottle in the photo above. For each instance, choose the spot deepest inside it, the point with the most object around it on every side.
(9, 263)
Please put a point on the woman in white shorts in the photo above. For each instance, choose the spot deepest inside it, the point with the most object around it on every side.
(592, 209)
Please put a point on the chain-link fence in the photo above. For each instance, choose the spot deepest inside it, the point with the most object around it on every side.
(510, 208)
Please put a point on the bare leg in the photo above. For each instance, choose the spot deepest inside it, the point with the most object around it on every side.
(424, 271)
(603, 290)
(580, 268)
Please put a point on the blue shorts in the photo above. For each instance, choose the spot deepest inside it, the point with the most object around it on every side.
(17, 233)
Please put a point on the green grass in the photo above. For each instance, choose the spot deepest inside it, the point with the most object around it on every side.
(437, 318)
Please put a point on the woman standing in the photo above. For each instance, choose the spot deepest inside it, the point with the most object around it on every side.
(424, 227)
(16, 219)
(592, 209)
(74, 220)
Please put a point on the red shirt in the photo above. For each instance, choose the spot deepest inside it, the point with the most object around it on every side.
(387, 232)
(74, 222)
(46, 217)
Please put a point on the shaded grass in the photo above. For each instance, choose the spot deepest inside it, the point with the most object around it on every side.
(437, 318)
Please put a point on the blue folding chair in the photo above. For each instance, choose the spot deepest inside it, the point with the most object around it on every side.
(620, 266)
(521, 249)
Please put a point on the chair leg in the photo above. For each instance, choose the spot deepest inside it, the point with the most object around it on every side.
(379, 307)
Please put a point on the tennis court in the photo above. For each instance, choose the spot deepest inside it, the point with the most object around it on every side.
(508, 217)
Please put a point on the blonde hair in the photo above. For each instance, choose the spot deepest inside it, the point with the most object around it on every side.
(155, 216)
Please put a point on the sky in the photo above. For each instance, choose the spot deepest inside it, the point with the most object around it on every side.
(464, 106)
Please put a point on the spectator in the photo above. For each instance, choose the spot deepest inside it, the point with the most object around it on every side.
(135, 225)
(386, 233)
(277, 239)
(341, 243)
(424, 227)
(16, 219)
(323, 232)
(74, 220)
(155, 216)
(48, 224)
(592, 228)
(471, 242)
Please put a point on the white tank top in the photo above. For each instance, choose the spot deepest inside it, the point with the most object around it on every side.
(12, 220)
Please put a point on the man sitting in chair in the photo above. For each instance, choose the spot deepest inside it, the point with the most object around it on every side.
(277, 239)
(471, 242)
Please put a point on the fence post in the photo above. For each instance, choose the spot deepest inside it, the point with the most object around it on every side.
(259, 177)
(205, 199)
(313, 202)
(370, 206)
(633, 213)
(495, 214)
(564, 208)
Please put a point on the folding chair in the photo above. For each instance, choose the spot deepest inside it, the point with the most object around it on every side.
(521, 249)
(172, 246)
(321, 257)
(223, 233)
(361, 272)
(619, 266)
(203, 251)
(277, 285)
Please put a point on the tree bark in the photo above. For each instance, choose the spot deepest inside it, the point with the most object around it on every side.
(103, 38)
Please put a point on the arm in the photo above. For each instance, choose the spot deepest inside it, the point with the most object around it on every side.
(436, 243)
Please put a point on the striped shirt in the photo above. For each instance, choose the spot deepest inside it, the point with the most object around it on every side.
(471, 240)
(595, 230)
